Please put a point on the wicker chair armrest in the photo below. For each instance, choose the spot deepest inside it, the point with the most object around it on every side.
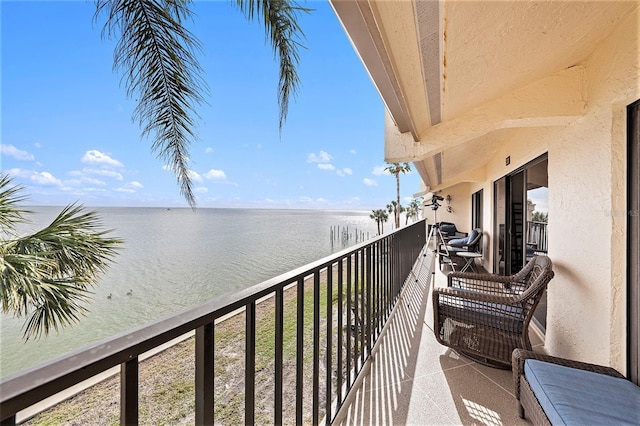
(481, 277)
(480, 282)
(519, 356)
(476, 296)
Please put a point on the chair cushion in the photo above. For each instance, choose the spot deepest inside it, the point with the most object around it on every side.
(507, 318)
(447, 228)
(472, 235)
(573, 396)
(459, 241)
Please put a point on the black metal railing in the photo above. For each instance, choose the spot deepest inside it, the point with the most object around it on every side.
(537, 238)
(361, 286)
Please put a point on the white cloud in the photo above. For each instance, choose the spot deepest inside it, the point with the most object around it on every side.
(201, 190)
(100, 172)
(195, 176)
(353, 151)
(127, 190)
(91, 189)
(20, 172)
(94, 156)
(369, 182)
(16, 153)
(321, 157)
(379, 171)
(214, 174)
(85, 181)
(45, 178)
(324, 166)
(38, 178)
(344, 172)
(208, 150)
(130, 187)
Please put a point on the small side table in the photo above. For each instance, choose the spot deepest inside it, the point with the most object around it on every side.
(470, 257)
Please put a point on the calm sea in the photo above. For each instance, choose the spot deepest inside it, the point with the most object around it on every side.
(176, 258)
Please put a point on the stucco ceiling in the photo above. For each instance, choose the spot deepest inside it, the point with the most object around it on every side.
(436, 63)
(491, 48)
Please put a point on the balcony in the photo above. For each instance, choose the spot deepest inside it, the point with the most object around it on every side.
(370, 311)
(413, 379)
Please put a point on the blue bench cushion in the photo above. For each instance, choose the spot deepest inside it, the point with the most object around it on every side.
(578, 397)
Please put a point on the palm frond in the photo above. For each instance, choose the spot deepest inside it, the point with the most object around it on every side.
(10, 213)
(157, 56)
(47, 275)
(283, 32)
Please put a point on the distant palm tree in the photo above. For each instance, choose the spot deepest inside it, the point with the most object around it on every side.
(157, 56)
(395, 209)
(47, 275)
(540, 217)
(380, 216)
(413, 210)
(395, 169)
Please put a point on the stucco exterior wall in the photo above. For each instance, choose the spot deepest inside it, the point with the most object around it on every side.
(586, 166)
(460, 207)
(586, 201)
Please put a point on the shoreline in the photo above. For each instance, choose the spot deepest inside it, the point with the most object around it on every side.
(31, 413)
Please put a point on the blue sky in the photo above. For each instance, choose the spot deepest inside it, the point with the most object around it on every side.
(67, 132)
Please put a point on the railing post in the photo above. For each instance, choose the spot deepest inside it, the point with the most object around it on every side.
(205, 349)
(349, 324)
(299, 350)
(368, 296)
(329, 346)
(279, 343)
(129, 392)
(316, 347)
(250, 365)
(340, 334)
(363, 308)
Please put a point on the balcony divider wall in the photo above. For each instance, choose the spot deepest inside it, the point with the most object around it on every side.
(362, 285)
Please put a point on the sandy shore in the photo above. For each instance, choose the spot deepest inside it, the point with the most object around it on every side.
(167, 376)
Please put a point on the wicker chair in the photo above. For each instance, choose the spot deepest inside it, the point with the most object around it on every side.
(472, 243)
(528, 402)
(485, 317)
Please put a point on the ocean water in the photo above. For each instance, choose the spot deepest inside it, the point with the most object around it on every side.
(176, 258)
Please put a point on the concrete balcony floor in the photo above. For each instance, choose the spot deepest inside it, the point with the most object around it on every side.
(414, 380)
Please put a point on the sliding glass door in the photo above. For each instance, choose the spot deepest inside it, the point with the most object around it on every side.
(510, 218)
(520, 228)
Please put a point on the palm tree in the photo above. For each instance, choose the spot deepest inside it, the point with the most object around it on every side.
(396, 169)
(380, 216)
(413, 210)
(395, 209)
(47, 275)
(157, 56)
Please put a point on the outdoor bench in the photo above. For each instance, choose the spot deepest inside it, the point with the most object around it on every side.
(557, 391)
